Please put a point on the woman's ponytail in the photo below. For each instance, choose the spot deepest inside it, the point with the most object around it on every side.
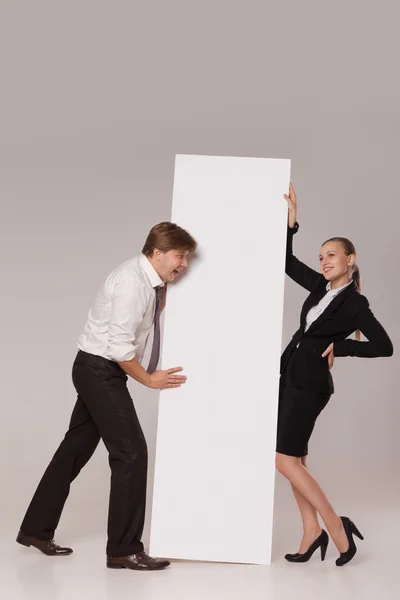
(349, 248)
(357, 279)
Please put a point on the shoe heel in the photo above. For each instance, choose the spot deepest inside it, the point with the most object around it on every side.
(355, 531)
(323, 551)
(112, 566)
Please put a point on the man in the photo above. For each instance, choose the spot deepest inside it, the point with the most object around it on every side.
(111, 347)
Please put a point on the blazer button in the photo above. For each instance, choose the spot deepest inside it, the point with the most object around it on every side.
(298, 345)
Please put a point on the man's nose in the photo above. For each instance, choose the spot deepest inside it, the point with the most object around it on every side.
(184, 263)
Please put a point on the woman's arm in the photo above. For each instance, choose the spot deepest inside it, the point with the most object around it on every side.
(298, 271)
(379, 343)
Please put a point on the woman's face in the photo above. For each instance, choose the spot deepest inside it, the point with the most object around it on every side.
(334, 263)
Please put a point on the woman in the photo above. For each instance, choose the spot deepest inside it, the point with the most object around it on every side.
(334, 309)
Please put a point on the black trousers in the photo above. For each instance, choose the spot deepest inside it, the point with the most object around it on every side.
(104, 409)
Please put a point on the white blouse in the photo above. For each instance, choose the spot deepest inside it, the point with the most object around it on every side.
(319, 308)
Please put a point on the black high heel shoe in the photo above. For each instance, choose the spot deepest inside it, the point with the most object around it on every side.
(350, 529)
(321, 541)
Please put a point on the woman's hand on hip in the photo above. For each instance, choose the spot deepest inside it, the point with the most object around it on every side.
(329, 352)
(292, 206)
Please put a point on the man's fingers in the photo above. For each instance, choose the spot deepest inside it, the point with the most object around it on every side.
(175, 381)
(175, 370)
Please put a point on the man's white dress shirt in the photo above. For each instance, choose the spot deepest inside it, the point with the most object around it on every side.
(121, 318)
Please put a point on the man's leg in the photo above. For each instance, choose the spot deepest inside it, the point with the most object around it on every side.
(102, 384)
(75, 450)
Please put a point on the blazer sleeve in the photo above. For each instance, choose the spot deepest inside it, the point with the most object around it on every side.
(298, 271)
(378, 344)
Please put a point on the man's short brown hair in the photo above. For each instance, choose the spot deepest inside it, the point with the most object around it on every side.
(168, 236)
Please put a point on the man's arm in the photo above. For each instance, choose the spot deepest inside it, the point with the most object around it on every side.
(127, 311)
(125, 317)
(134, 369)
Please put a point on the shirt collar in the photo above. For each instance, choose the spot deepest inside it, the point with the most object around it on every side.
(154, 278)
(337, 290)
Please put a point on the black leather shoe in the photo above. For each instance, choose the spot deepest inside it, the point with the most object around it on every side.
(350, 529)
(48, 547)
(138, 562)
(321, 542)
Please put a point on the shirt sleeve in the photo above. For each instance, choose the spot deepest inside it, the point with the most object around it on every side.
(129, 303)
(378, 344)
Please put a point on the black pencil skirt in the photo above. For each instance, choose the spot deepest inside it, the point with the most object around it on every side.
(298, 410)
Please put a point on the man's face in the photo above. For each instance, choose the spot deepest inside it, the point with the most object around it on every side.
(169, 264)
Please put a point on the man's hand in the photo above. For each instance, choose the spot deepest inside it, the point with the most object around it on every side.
(329, 352)
(161, 380)
(157, 380)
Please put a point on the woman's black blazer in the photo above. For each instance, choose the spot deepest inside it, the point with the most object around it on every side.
(347, 312)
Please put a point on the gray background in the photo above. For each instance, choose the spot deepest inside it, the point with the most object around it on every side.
(97, 98)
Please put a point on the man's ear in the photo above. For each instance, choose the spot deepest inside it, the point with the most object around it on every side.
(157, 254)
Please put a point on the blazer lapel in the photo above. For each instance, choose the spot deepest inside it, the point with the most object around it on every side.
(312, 300)
(333, 305)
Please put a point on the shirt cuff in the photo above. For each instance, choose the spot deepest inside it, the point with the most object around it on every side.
(121, 354)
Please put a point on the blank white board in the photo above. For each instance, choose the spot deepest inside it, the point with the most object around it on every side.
(215, 454)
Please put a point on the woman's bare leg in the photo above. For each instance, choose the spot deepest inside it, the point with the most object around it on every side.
(302, 480)
(309, 517)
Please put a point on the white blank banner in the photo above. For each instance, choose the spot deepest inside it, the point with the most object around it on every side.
(215, 455)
